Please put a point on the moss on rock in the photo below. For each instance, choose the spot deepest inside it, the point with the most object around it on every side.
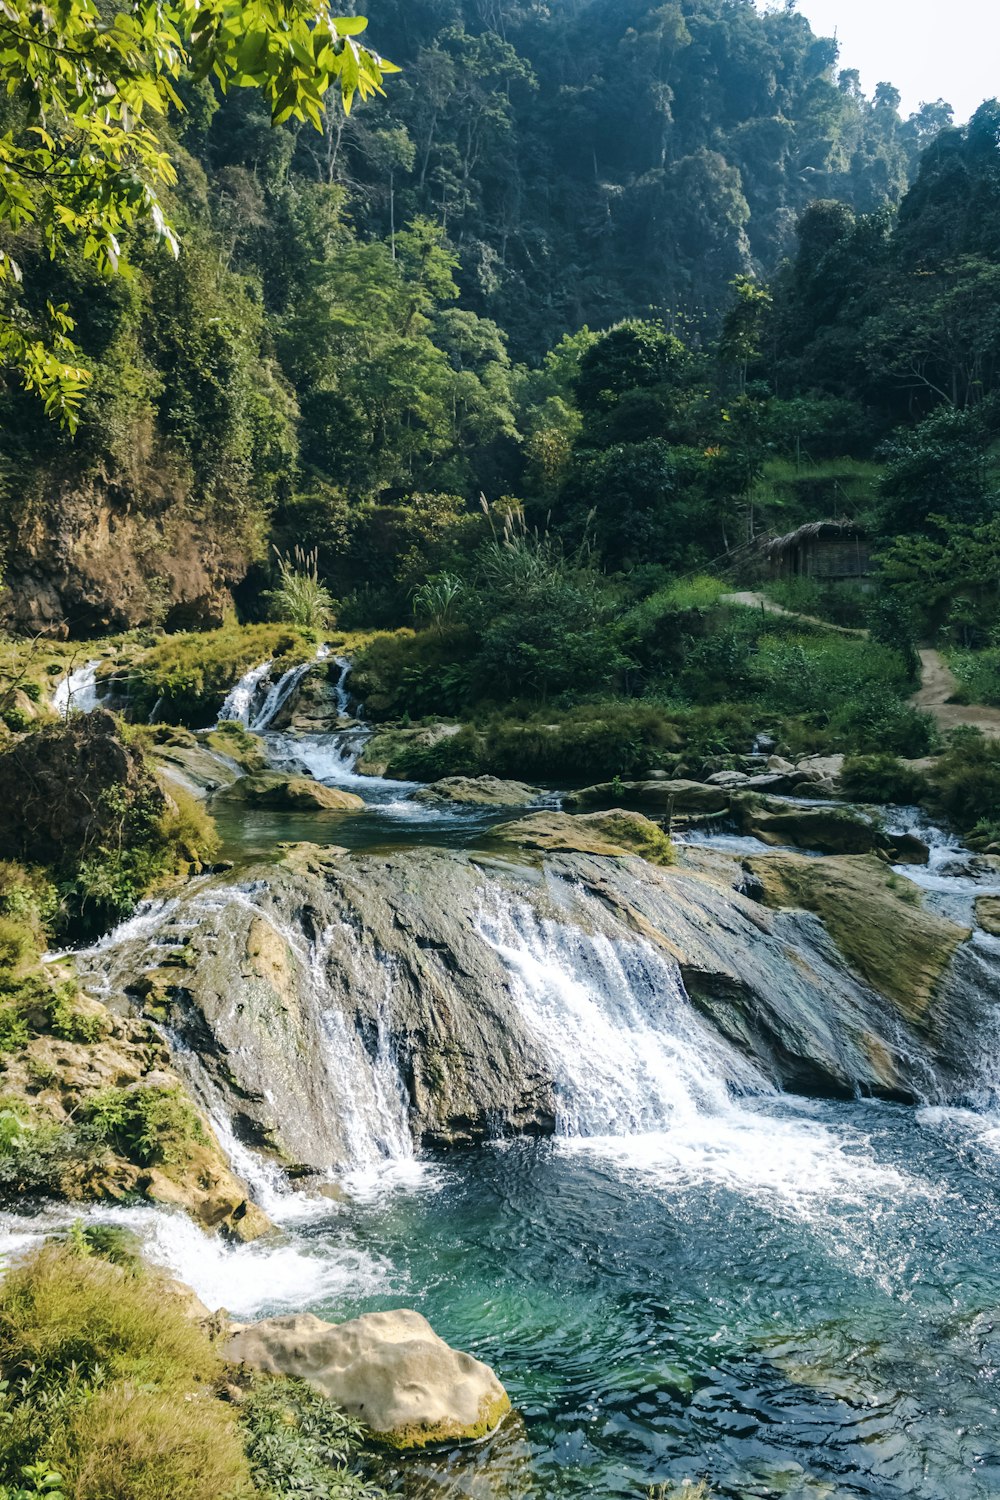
(611, 833)
(875, 917)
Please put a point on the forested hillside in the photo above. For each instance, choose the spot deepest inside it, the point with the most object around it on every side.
(362, 314)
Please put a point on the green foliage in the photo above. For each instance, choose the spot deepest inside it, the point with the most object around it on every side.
(108, 1384)
(300, 598)
(95, 83)
(298, 1442)
(965, 782)
(978, 672)
(936, 469)
(186, 677)
(542, 620)
(881, 778)
(148, 1126)
(591, 742)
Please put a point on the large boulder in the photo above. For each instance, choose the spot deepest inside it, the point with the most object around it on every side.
(388, 1370)
(615, 833)
(293, 794)
(652, 796)
(876, 918)
(826, 829)
(489, 791)
(74, 787)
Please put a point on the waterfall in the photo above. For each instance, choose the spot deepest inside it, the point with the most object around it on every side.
(629, 1054)
(343, 697)
(241, 700)
(278, 695)
(77, 690)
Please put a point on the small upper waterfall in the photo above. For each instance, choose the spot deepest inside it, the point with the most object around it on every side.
(278, 694)
(243, 700)
(77, 690)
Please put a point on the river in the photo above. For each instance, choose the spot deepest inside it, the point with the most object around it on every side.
(696, 1276)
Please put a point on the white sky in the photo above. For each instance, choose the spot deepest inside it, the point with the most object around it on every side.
(930, 49)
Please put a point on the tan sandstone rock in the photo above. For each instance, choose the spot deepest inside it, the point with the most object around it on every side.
(389, 1370)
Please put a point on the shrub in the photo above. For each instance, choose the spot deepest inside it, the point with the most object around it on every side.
(978, 673)
(298, 1443)
(872, 722)
(881, 778)
(127, 1444)
(63, 1313)
(965, 782)
(109, 1384)
(300, 597)
(148, 1126)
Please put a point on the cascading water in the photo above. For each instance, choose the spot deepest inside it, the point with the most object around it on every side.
(628, 1052)
(77, 691)
(242, 700)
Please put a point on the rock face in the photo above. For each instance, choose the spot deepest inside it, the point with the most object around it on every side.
(487, 790)
(293, 794)
(389, 1370)
(101, 553)
(57, 1078)
(63, 790)
(338, 1009)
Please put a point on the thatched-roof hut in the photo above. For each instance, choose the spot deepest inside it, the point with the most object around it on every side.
(828, 551)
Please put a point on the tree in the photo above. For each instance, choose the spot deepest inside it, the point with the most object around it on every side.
(82, 153)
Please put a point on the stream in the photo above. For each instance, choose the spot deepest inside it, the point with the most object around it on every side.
(696, 1276)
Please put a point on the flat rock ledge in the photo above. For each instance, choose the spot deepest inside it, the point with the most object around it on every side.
(388, 1370)
(489, 791)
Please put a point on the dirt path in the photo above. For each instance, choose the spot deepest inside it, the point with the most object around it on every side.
(938, 685)
(753, 600)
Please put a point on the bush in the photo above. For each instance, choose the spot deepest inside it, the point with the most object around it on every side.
(127, 1444)
(298, 1443)
(978, 673)
(965, 782)
(881, 778)
(109, 1384)
(148, 1126)
(300, 597)
(873, 722)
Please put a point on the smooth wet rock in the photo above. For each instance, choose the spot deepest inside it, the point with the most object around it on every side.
(294, 794)
(822, 767)
(653, 796)
(988, 914)
(489, 791)
(388, 1370)
(779, 763)
(827, 829)
(727, 778)
(605, 833)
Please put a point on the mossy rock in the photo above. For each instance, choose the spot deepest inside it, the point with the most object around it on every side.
(232, 739)
(611, 833)
(293, 794)
(875, 917)
(487, 791)
(388, 1370)
(988, 914)
(658, 796)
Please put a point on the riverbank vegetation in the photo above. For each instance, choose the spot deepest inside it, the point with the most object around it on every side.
(113, 1390)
